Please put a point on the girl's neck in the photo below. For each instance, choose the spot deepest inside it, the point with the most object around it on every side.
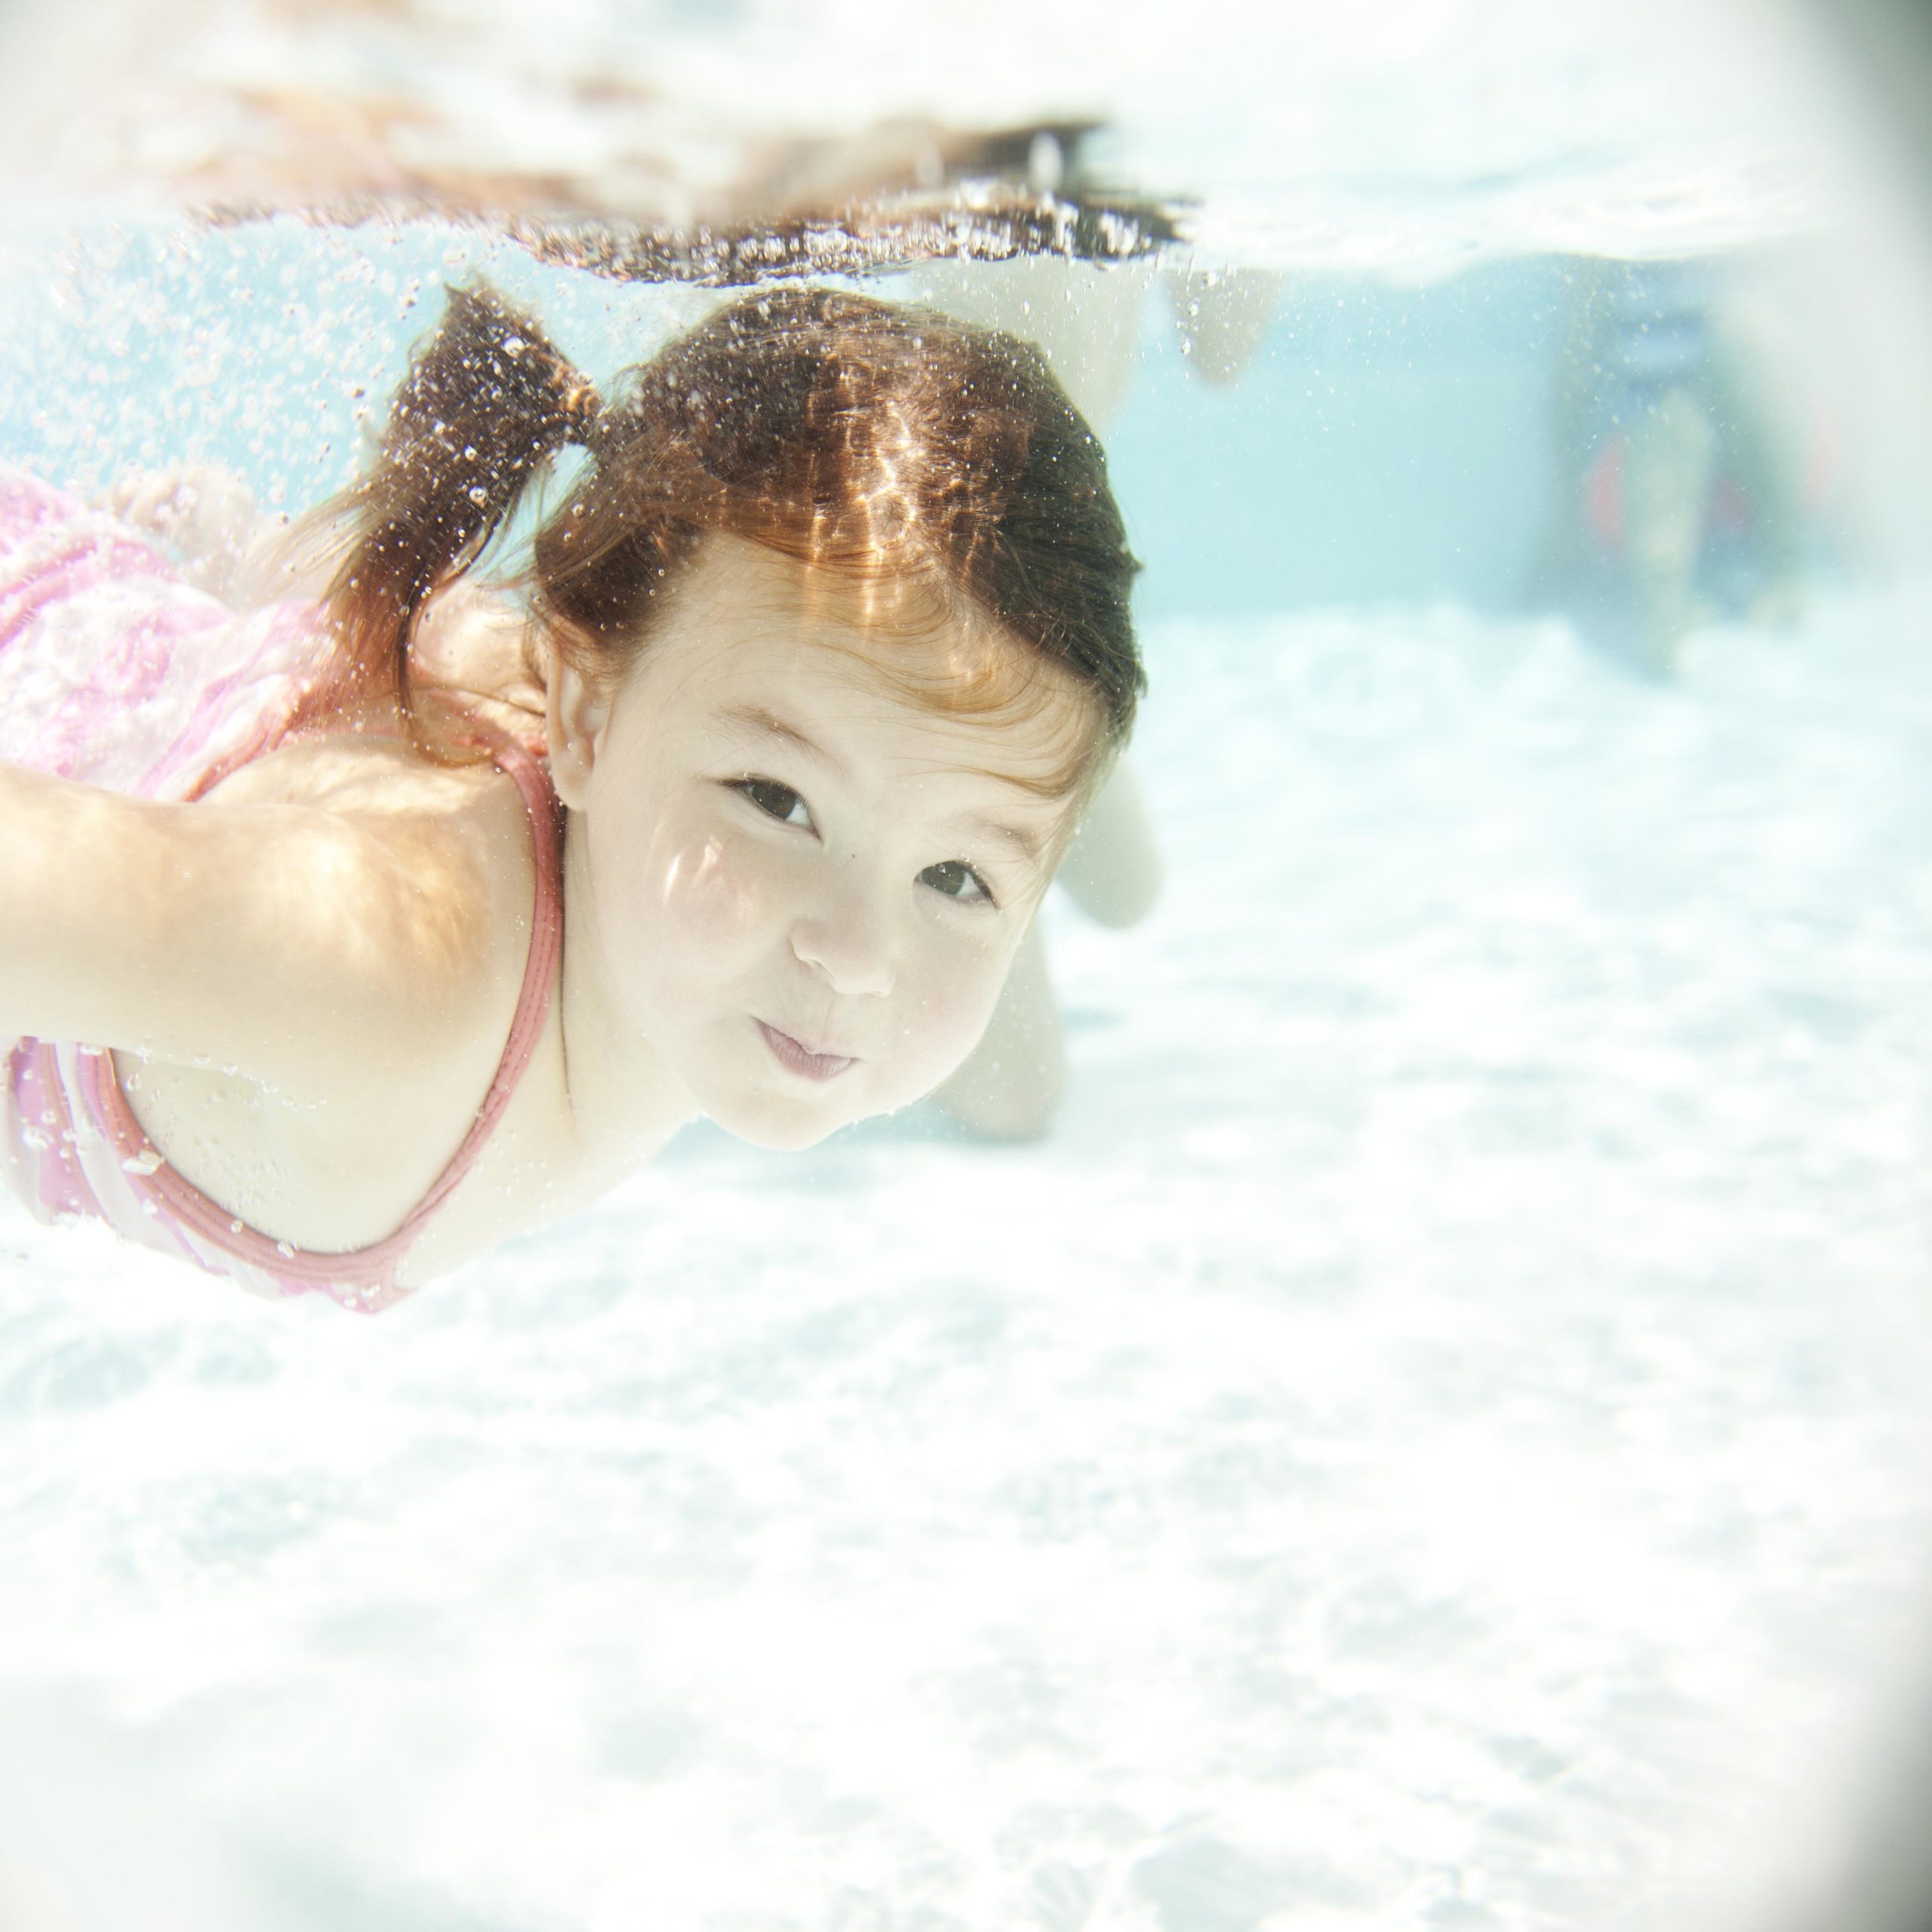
(624, 1103)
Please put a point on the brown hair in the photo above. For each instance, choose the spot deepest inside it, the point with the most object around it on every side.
(872, 441)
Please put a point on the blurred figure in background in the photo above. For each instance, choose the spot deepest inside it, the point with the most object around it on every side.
(1689, 464)
(1087, 320)
(1011, 1082)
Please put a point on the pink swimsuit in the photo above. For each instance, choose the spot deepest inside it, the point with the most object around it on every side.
(113, 671)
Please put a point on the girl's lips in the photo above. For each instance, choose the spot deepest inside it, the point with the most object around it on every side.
(795, 1059)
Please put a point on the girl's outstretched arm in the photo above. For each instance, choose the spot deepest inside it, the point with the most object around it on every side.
(297, 945)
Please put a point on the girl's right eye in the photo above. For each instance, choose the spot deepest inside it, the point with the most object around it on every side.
(775, 801)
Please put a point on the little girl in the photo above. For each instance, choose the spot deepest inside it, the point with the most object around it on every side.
(406, 940)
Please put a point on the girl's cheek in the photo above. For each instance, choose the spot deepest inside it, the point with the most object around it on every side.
(957, 997)
(705, 890)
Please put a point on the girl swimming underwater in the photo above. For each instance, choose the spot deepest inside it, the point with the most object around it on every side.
(403, 941)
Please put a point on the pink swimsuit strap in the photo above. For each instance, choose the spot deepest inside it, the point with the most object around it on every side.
(372, 1267)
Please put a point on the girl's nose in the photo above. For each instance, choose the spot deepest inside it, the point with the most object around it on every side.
(846, 936)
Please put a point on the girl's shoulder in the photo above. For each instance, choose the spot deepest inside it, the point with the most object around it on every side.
(360, 763)
(438, 868)
(341, 910)
(404, 907)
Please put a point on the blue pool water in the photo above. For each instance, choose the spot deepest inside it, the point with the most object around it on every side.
(1434, 1437)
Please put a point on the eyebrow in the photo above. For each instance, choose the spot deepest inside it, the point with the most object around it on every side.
(767, 723)
(1026, 843)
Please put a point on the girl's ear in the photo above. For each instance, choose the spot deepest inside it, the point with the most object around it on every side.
(577, 714)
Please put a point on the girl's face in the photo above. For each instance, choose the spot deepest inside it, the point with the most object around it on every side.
(803, 890)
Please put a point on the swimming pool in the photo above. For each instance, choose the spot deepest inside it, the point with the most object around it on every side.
(1434, 1436)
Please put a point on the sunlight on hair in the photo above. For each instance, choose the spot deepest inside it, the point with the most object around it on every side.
(934, 472)
(939, 650)
(888, 507)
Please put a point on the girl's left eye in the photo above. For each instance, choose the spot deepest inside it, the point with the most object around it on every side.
(775, 801)
(957, 880)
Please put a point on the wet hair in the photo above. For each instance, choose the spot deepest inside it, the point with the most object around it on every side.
(881, 443)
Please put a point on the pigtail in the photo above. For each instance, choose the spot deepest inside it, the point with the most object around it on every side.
(488, 399)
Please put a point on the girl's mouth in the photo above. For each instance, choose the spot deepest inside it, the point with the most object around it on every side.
(795, 1059)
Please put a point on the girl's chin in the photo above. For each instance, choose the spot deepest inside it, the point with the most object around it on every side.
(785, 1131)
(781, 1129)
(776, 1139)
(781, 1112)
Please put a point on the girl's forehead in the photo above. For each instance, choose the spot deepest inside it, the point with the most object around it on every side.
(736, 589)
(752, 632)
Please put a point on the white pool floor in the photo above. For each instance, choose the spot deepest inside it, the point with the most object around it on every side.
(1435, 1437)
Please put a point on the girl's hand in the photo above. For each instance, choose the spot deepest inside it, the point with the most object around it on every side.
(206, 516)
